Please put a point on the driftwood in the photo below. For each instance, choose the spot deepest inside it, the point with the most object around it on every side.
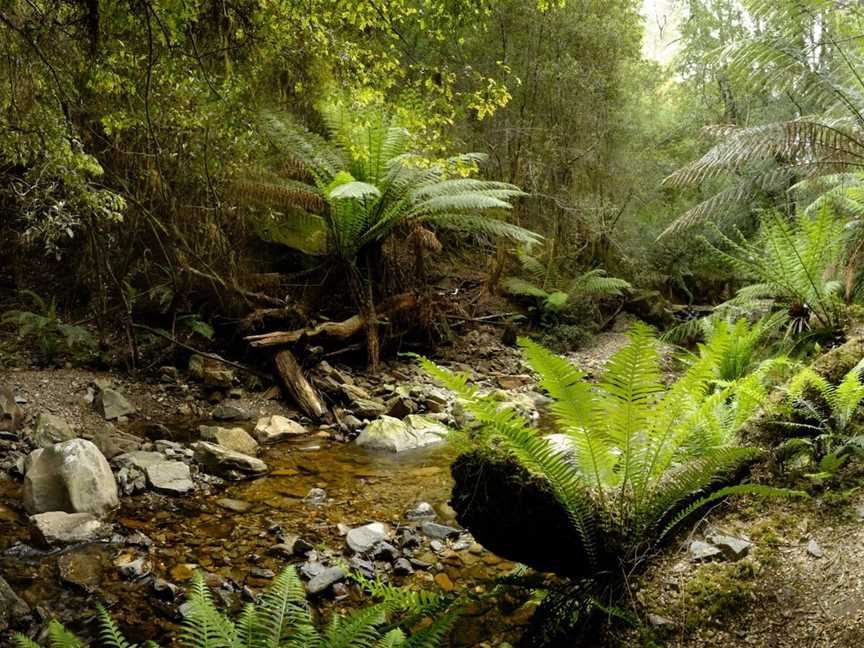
(298, 386)
(334, 330)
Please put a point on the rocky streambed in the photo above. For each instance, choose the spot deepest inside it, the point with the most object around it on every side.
(116, 492)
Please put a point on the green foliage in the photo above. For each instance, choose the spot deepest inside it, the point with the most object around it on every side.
(45, 328)
(795, 265)
(367, 184)
(282, 619)
(639, 458)
(553, 294)
(828, 411)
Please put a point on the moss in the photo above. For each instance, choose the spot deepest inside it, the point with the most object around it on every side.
(718, 591)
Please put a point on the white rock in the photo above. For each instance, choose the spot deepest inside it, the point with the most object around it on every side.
(275, 428)
(58, 527)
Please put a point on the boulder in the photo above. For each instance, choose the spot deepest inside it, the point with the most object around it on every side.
(230, 412)
(228, 463)
(275, 428)
(388, 433)
(236, 439)
(51, 429)
(210, 372)
(170, 477)
(111, 404)
(13, 609)
(72, 476)
(59, 528)
(362, 539)
(11, 415)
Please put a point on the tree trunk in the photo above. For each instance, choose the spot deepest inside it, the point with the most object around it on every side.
(298, 386)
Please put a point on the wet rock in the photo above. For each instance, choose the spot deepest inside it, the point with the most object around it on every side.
(227, 463)
(138, 539)
(51, 429)
(365, 567)
(814, 549)
(11, 415)
(402, 567)
(388, 433)
(258, 572)
(275, 428)
(170, 477)
(443, 581)
(210, 372)
(400, 407)
(82, 569)
(165, 590)
(439, 531)
(702, 551)
(72, 476)
(112, 443)
(732, 548)
(237, 506)
(408, 538)
(513, 382)
(290, 546)
(316, 497)
(350, 423)
(384, 551)
(236, 439)
(133, 567)
(362, 539)
(230, 412)
(111, 404)
(420, 511)
(325, 579)
(13, 609)
(59, 528)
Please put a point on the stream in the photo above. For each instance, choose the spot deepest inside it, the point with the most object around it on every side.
(178, 535)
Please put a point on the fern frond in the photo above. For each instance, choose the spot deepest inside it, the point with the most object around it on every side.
(109, 633)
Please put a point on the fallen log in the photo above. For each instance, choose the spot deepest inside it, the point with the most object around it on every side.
(335, 330)
(300, 389)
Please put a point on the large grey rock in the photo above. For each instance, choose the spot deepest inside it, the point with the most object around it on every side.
(59, 528)
(388, 433)
(325, 579)
(275, 428)
(72, 476)
(236, 439)
(171, 477)
(13, 609)
(362, 539)
(11, 415)
(51, 429)
(111, 404)
(439, 531)
(228, 463)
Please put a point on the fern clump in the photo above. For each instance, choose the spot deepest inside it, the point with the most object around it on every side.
(639, 457)
(794, 266)
(282, 619)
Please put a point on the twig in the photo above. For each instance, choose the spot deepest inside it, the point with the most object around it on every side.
(211, 356)
(484, 318)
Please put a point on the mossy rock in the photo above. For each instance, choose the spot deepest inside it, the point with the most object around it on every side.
(718, 591)
(514, 514)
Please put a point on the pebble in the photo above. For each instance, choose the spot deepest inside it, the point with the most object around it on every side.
(814, 549)
(324, 579)
(443, 581)
(237, 506)
(420, 511)
(702, 551)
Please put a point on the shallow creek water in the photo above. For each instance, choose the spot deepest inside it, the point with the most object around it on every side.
(197, 532)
